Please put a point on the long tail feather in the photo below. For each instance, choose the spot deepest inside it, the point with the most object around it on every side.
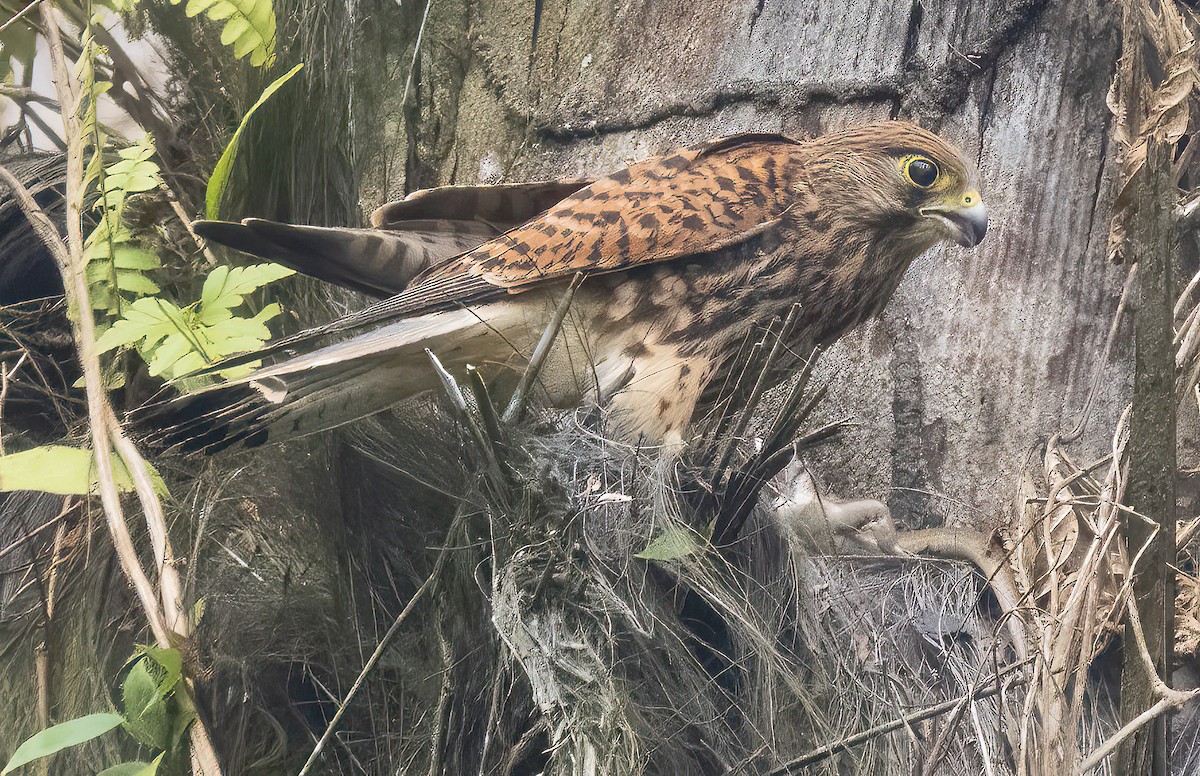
(323, 389)
(374, 261)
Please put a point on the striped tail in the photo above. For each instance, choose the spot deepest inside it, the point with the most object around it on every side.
(324, 389)
(375, 262)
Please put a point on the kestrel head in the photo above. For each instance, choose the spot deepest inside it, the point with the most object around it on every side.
(904, 180)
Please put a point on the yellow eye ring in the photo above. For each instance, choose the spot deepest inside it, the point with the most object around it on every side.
(921, 171)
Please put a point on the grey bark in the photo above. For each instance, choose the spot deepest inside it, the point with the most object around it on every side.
(981, 354)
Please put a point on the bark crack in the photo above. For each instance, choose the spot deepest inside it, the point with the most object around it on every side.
(945, 88)
(758, 9)
(916, 16)
(1097, 187)
(538, 6)
(986, 109)
(792, 95)
(915, 90)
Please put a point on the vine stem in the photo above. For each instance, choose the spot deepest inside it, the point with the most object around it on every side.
(168, 620)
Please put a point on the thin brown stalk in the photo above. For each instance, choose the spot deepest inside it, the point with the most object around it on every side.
(520, 397)
(187, 224)
(986, 689)
(5, 377)
(42, 655)
(426, 586)
(164, 610)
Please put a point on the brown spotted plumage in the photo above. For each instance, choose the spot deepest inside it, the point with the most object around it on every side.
(684, 255)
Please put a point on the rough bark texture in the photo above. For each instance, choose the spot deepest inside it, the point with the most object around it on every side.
(981, 354)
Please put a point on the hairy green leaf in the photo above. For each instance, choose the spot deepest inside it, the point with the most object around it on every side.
(220, 176)
(146, 716)
(170, 661)
(61, 736)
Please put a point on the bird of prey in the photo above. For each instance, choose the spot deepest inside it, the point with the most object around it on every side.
(683, 257)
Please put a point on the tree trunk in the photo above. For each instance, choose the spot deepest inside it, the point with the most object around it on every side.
(1151, 489)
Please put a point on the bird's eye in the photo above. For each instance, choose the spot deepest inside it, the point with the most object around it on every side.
(921, 171)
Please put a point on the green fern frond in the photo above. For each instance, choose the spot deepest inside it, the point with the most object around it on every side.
(249, 26)
(116, 265)
(176, 341)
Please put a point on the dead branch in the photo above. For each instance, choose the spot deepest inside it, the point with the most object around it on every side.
(985, 689)
(1168, 698)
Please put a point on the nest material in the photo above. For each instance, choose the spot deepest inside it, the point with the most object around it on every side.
(547, 646)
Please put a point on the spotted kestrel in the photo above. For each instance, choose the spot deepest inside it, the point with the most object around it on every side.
(684, 256)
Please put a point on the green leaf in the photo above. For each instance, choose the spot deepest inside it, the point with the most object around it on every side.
(226, 287)
(184, 716)
(167, 358)
(65, 471)
(110, 253)
(61, 736)
(220, 176)
(146, 716)
(57, 469)
(134, 768)
(673, 544)
(134, 257)
(171, 663)
(250, 27)
(149, 319)
(237, 335)
(135, 282)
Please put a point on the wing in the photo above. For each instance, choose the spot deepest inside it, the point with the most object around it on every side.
(504, 205)
(694, 201)
(411, 235)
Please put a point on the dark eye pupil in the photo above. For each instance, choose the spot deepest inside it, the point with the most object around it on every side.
(922, 172)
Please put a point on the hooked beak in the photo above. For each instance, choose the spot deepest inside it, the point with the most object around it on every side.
(967, 225)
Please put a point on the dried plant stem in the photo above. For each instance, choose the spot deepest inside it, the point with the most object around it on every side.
(42, 655)
(164, 609)
(1168, 698)
(516, 405)
(187, 224)
(441, 720)
(169, 583)
(5, 376)
(985, 689)
(426, 586)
